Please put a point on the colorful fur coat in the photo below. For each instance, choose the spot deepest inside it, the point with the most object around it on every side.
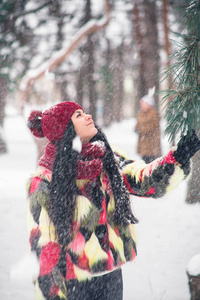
(99, 245)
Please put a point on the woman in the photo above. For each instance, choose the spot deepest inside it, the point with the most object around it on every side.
(147, 127)
(80, 221)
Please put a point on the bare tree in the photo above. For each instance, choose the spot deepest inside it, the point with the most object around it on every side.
(146, 33)
(140, 80)
(60, 56)
(167, 43)
(108, 87)
(90, 49)
(3, 94)
(193, 187)
(119, 88)
(79, 86)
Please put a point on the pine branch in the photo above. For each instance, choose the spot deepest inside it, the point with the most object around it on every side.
(183, 109)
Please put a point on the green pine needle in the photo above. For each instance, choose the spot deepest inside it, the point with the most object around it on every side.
(182, 100)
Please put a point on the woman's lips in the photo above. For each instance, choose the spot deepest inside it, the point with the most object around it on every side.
(91, 123)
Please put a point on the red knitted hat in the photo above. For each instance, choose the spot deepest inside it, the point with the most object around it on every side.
(53, 121)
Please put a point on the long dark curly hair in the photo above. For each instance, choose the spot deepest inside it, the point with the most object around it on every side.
(63, 189)
(123, 212)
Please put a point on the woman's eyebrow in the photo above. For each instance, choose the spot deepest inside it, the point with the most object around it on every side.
(79, 111)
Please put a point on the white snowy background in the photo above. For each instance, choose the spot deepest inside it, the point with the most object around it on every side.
(168, 231)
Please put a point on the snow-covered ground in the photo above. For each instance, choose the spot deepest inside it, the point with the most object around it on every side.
(168, 231)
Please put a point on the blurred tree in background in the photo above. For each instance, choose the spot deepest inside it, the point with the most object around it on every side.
(13, 38)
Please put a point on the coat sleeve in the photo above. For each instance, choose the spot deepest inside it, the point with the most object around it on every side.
(154, 179)
(42, 240)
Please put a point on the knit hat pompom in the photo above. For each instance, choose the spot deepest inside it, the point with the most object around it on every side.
(53, 121)
(34, 123)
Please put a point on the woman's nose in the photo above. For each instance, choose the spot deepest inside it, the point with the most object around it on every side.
(88, 116)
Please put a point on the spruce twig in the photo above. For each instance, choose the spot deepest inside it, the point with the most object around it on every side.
(183, 110)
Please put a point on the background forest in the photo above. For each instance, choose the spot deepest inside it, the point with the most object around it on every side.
(105, 55)
(107, 71)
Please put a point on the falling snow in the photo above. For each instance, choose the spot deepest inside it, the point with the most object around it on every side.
(168, 231)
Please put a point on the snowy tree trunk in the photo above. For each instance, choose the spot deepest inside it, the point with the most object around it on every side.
(140, 81)
(119, 89)
(63, 89)
(108, 90)
(194, 284)
(90, 49)
(151, 46)
(167, 43)
(79, 86)
(193, 272)
(193, 188)
(91, 78)
(146, 36)
(3, 94)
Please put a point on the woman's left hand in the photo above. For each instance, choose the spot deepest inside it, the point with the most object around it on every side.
(187, 147)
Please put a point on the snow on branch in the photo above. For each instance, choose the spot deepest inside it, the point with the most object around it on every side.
(90, 27)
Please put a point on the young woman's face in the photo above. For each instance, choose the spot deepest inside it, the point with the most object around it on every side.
(84, 126)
